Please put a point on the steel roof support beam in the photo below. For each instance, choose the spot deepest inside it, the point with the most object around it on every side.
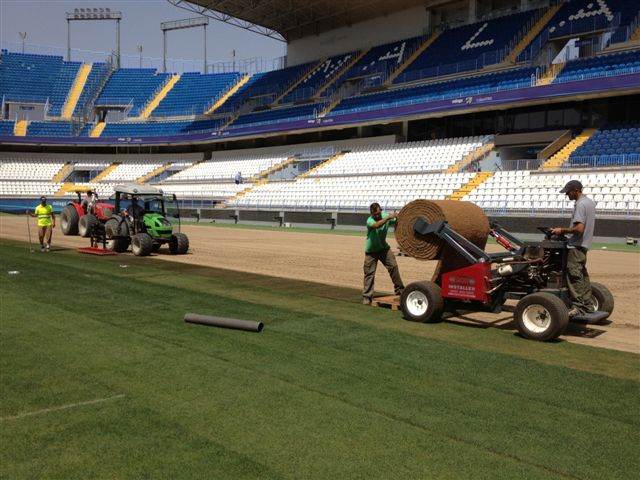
(225, 18)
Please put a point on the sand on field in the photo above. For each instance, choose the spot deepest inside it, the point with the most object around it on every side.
(337, 260)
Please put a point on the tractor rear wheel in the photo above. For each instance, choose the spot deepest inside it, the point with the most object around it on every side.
(602, 297)
(541, 316)
(179, 244)
(113, 232)
(69, 220)
(422, 302)
(142, 244)
(86, 224)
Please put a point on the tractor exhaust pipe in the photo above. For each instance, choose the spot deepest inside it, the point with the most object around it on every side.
(232, 323)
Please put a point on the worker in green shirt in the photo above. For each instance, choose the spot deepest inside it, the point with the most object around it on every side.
(46, 223)
(377, 249)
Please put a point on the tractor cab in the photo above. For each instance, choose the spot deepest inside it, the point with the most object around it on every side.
(145, 218)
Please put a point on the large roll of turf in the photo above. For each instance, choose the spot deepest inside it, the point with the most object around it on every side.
(464, 217)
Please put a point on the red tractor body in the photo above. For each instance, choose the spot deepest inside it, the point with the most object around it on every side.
(78, 217)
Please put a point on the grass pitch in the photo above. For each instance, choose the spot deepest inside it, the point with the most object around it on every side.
(101, 379)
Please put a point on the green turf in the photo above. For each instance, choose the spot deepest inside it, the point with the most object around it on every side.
(330, 389)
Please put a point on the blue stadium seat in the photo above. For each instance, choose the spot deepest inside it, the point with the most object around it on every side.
(6, 127)
(156, 129)
(96, 75)
(605, 65)
(580, 17)
(519, 78)
(610, 146)
(376, 65)
(318, 77)
(276, 115)
(264, 88)
(468, 47)
(195, 93)
(132, 86)
(50, 129)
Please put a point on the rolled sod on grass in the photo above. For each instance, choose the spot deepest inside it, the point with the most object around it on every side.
(465, 218)
(232, 323)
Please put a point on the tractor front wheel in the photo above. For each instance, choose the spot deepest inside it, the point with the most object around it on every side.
(142, 244)
(69, 220)
(179, 244)
(422, 302)
(86, 224)
(541, 316)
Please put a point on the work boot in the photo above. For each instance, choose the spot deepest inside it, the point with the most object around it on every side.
(48, 247)
(366, 301)
(42, 249)
(574, 312)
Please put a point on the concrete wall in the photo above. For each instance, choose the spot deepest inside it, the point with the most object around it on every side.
(378, 31)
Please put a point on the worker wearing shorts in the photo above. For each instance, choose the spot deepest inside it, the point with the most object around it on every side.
(46, 223)
(377, 250)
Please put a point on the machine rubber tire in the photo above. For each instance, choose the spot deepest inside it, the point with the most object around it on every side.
(115, 242)
(69, 219)
(603, 297)
(86, 224)
(179, 244)
(141, 244)
(422, 302)
(156, 247)
(541, 316)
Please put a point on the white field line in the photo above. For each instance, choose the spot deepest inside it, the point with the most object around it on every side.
(62, 407)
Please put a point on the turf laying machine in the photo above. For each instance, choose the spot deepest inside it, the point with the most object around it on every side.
(469, 279)
(140, 219)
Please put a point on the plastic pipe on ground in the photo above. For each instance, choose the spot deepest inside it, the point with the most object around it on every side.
(222, 322)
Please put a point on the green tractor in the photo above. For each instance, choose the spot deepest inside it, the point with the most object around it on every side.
(140, 219)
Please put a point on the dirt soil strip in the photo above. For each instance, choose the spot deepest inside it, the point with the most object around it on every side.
(337, 260)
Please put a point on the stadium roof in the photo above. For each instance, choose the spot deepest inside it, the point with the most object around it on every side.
(292, 19)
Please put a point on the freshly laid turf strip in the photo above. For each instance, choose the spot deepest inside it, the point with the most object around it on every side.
(330, 389)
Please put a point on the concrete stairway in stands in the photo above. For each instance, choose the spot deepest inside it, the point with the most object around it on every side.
(533, 32)
(295, 84)
(472, 184)
(97, 129)
(218, 103)
(476, 155)
(76, 90)
(557, 160)
(159, 96)
(63, 173)
(342, 71)
(154, 173)
(105, 172)
(20, 128)
(550, 75)
(332, 158)
(426, 44)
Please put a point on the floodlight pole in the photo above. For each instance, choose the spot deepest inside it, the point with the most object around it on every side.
(68, 39)
(118, 41)
(92, 14)
(179, 25)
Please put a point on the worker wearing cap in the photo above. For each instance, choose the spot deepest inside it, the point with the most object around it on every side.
(377, 250)
(46, 223)
(581, 236)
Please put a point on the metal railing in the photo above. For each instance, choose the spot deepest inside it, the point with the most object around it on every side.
(602, 160)
(178, 65)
